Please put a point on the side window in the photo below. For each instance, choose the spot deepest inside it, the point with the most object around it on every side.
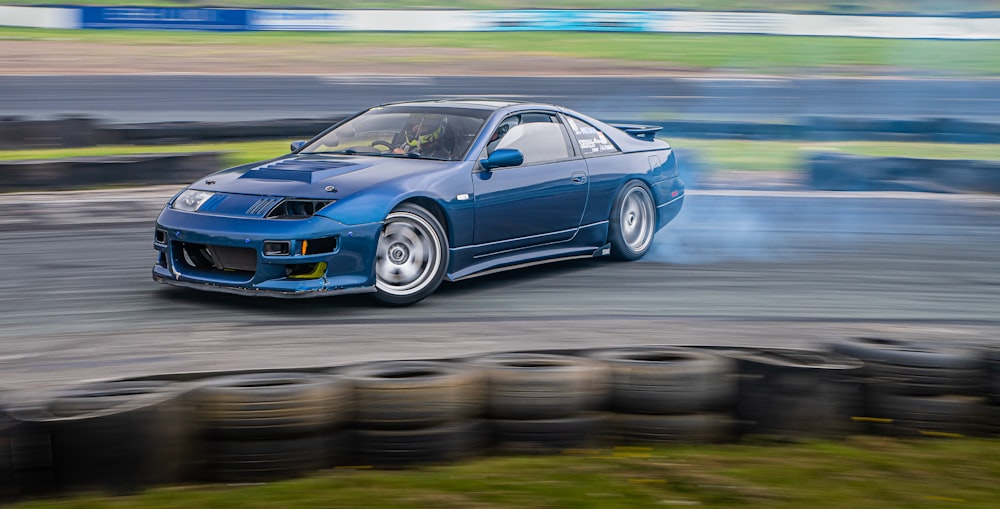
(539, 136)
(590, 139)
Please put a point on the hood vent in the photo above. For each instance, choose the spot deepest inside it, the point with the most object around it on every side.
(293, 169)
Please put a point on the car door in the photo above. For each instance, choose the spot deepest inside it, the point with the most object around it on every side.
(540, 201)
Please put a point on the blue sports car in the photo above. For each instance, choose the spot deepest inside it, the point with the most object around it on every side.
(402, 196)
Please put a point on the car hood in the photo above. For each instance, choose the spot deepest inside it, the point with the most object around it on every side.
(314, 175)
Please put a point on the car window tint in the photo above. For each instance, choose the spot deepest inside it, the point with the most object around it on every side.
(538, 141)
(589, 138)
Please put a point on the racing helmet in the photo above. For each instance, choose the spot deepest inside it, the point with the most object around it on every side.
(427, 129)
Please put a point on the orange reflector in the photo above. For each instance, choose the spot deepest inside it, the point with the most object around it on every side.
(305, 246)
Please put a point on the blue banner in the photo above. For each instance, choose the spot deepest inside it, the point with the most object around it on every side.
(586, 21)
(155, 18)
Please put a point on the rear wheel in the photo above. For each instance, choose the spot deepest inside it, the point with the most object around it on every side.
(411, 257)
(632, 223)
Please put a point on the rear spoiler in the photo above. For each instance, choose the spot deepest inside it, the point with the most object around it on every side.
(639, 132)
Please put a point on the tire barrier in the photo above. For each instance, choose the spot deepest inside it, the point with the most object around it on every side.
(264, 426)
(536, 401)
(789, 394)
(125, 435)
(669, 394)
(440, 443)
(842, 172)
(706, 427)
(668, 380)
(533, 436)
(409, 412)
(541, 386)
(118, 436)
(7, 487)
(81, 172)
(77, 131)
(918, 388)
(66, 132)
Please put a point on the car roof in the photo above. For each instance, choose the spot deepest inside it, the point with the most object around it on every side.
(475, 103)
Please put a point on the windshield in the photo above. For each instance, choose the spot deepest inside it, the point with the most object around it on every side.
(405, 131)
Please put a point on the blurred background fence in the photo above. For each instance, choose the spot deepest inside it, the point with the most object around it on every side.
(955, 26)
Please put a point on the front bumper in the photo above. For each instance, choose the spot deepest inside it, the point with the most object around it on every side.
(344, 266)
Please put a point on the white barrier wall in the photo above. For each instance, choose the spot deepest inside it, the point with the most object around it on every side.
(39, 17)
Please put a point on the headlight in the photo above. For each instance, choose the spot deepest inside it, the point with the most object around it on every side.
(191, 200)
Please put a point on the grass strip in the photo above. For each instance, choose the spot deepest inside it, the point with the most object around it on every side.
(860, 473)
(778, 55)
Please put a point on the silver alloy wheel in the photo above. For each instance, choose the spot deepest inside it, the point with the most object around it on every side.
(408, 256)
(636, 219)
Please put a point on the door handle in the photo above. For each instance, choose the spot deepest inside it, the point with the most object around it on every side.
(579, 178)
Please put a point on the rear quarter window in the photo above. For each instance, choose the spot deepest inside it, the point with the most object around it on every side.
(590, 139)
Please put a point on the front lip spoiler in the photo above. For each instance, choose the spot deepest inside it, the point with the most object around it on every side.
(253, 292)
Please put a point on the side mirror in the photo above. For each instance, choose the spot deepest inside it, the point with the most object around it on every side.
(501, 158)
(296, 145)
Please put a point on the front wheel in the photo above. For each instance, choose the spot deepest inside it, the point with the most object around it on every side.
(632, 223)
(411, 257)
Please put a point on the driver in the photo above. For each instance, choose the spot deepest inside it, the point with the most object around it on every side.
(424, 137)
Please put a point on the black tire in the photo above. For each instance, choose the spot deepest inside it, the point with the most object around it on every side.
(946, 415)
(434, 444)
(264, 460)
(103, 436)
(900, 352)
(270, 405)
(992, 357)
(668, 380)
(411, 257)
(414, 394)
(917, 368)
(7, 486)
(670, 429)
(103, 396)
(632, 223)
(541, 386)
(789, 394)
(547, 435)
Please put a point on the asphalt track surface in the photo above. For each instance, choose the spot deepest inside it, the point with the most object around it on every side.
(161, 98)
(753, 268)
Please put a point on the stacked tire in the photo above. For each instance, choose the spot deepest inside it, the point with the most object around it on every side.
(788, 394)
(266, 426)
(7, 487)
(116, 436)
(669, 395)
(920, 389)
(538, 402)
(991, 356)
(415, 412)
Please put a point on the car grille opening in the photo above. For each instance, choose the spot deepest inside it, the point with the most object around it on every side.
(218, 258)
(319, 246)
(297, 209)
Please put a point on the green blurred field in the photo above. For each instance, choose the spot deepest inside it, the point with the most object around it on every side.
(650, 52)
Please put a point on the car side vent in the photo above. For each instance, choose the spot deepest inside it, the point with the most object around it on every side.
(297, 209)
